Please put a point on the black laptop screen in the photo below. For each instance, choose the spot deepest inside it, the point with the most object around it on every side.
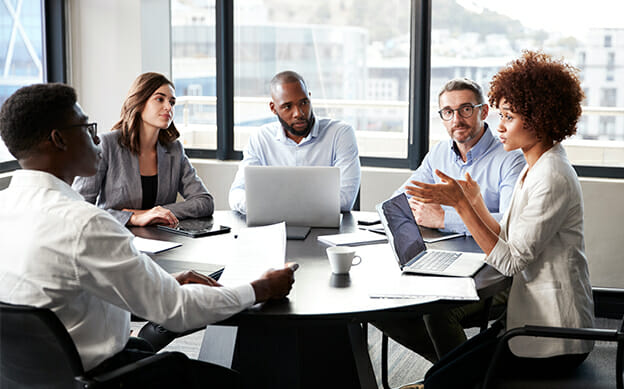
(406, 237)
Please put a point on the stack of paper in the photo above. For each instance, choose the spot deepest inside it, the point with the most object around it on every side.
(153, 246)
(254, 251)
(411, 286)
(357, 238)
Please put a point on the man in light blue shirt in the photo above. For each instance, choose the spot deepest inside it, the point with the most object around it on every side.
(472, 149)
(298, 138)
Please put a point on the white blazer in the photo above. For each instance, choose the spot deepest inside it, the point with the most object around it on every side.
(541, 245)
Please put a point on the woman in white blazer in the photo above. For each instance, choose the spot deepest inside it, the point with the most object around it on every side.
(143, 165)
(540, 239)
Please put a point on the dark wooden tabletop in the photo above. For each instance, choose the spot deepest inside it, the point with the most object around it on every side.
(317, 293)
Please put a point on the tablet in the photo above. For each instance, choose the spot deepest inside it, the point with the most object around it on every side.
(196, 227)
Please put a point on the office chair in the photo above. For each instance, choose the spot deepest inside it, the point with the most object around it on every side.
(482, 324)
(36, 351)
(595, 372)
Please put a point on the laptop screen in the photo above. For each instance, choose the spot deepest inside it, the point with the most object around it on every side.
(406, 239)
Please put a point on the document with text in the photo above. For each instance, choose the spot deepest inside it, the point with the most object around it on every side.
(254, 251)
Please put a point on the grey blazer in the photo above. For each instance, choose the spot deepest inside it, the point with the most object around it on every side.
(117, 183)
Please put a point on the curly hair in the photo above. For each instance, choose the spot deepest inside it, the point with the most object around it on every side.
(29, 114)
(130, 122)
(546, 92)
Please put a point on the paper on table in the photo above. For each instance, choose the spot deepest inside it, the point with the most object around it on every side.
(410, 286)
(255, 250)
(356, 238)
(152, 245)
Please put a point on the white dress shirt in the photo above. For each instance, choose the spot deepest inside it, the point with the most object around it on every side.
(329, 143)
(62, 253)
(541, 245)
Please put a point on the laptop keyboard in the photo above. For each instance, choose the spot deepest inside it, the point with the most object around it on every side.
(435, 260)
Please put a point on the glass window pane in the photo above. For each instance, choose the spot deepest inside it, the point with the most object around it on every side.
(194, 72)
(20, 50)
(353, 54)
(474, 38)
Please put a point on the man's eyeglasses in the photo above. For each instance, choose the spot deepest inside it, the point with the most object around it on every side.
(91, 128)
(464, 111)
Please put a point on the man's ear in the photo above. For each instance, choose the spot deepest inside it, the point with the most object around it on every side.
(272, 106)
(485, 109)
(57, 140)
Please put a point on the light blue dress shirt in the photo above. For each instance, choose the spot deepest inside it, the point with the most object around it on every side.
(495, 170)
(329, 143)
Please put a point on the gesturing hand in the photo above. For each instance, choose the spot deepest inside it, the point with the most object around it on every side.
(449, 192)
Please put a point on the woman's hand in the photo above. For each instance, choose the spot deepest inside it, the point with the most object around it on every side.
(449, 192)
(471, 190)
(156, 215)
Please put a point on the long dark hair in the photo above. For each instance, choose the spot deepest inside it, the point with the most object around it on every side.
(130, 122)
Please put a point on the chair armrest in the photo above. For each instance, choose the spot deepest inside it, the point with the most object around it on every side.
(156, 362)
(553, 332)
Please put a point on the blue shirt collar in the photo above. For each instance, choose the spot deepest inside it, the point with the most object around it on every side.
(282, 137)
(479, 149)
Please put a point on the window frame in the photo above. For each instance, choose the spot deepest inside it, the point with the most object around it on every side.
(419, 81)
(54, 53)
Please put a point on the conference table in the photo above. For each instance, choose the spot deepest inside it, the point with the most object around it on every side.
(316, 337)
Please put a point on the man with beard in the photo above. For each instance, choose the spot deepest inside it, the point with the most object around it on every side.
(298, 138)
(472, 149)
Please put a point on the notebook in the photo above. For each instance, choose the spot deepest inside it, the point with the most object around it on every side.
(306, 196)
(409, 247)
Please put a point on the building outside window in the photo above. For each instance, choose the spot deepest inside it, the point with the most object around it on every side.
(20, 50)
(354, 55)
(475, 38)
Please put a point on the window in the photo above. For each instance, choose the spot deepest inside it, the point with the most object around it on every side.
(354, 55)
(475, 38)
(20, 50)
(608, 41)
(194, 72)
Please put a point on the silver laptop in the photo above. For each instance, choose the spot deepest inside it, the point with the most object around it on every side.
(409, 248)
(306, 196)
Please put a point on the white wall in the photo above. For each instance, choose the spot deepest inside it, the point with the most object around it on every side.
(111, 43)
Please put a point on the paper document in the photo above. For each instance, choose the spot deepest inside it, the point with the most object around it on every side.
(153, 246)
(410, 286)
(254, 251)
(353, 238)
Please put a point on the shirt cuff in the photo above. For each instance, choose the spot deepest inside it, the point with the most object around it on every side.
(246, 295)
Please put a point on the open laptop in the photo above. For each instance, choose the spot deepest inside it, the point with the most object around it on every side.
(409, 248)
(307, 196)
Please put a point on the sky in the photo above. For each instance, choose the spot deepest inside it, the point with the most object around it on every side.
(573, 17)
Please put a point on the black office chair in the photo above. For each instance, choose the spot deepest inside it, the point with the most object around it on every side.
(596, 372)
(482, 323)
(36, 351)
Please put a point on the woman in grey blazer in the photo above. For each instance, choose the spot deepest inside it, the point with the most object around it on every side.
(540, 240)
(143, 166)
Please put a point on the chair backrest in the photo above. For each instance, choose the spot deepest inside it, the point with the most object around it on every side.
(35, 349)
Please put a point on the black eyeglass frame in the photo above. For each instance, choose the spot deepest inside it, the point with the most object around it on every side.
(458, 110)
(91, 128)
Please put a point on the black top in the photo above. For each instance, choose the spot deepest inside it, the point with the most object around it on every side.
(149, 184)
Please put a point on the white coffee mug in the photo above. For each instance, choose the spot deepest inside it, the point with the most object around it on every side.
(341, 258)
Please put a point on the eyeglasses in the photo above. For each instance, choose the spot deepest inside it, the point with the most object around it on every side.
(91, 128)
(464, 111)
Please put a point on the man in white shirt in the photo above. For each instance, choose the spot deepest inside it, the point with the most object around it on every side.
(298, 138)
(62, 253)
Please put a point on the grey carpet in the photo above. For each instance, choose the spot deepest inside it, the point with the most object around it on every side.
(404, 366)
